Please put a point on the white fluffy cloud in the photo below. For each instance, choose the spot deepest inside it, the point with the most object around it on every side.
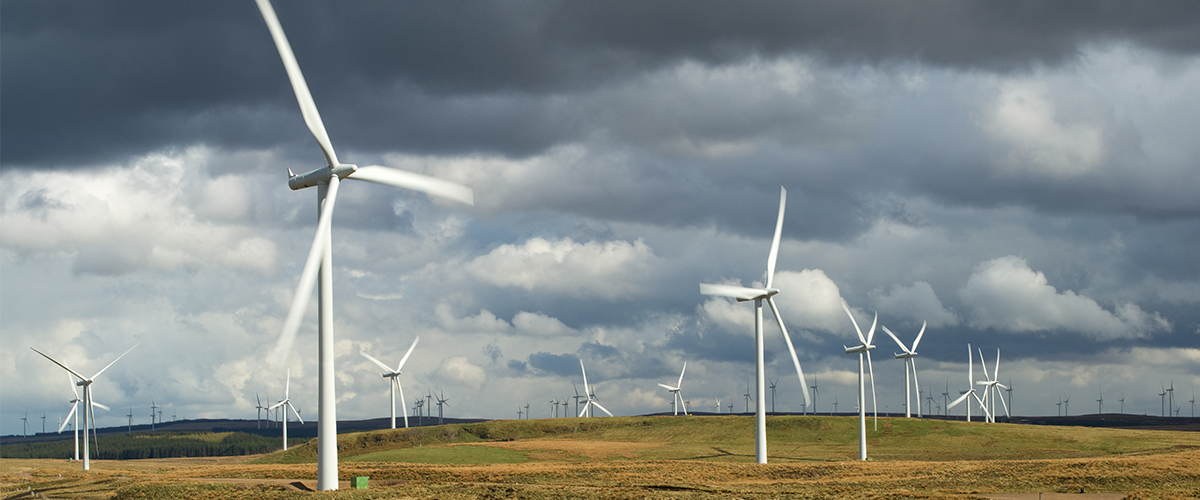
(1006, 294)
(1037, 138)
(917, 302)
(607, 270)
(810, 300)
(460, 369)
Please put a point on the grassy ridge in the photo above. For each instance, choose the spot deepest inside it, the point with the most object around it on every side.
(731, 439)
(152, 445)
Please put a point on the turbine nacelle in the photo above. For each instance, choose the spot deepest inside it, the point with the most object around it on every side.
(320, 175)
(858, 349)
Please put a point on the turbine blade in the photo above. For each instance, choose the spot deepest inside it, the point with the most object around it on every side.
(893, 336)
(680, 383)
(846, 307)
(959, 400)
(664, 386)
(294, 412)
(791, 349)
(410, 350)
(308, 278)
(65, 367)
(771, 258)
(287, 386)
(874, 404)
(98, 405)
(403, 405)
(871, 333)
(386, 368)
(737, 292)
(916, 384)
(276, 405)
(996, 370)
(585, 384)
(983, 363)
(308, 108)
(919, 335)
(1001, 398)
(585, 408)
(68, 419)
(970, 367)
(602, 408)
(114, 362)
(417, 182)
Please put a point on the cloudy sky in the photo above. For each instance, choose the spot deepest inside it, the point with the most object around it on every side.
(1022, 177)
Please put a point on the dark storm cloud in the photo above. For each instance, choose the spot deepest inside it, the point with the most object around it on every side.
(87, 82)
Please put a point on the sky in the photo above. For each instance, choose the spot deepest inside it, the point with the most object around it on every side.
(1020, 177)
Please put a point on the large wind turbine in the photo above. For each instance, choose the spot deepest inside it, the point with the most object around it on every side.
(970, 388)
(743, 294)
(86, 383)
(320, 255)
(673, 390)
(591, 396)
(863, 349)
(910, 365)
(989, 390)
(286, 403)
(394, 384)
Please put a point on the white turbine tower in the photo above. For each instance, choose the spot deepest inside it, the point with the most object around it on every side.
(88, 414)
(989, 390)
(743, 294)
(863, 349)
(591, 396)
(394, 384)
(910, 365)
(673, 390)
(320, 256)
(286, 403)
(970, 388)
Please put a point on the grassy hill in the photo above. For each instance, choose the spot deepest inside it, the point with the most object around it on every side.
(731, 439)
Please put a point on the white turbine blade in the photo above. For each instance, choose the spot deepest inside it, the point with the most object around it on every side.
(680, 383)
(771, 258)
(277, 405)
(874, 404)
(982, 405)
(308, 108)
(113, 362)
(959, 400)
(287, 386)
(386, 368)
(585, 408)
(585, 384)
(996, 370)
(667, 387)
(983, 363)
(970, 367)
(403, 405)
(68, 420)
(893, 336)
(737, 292)
(846, 307)
(308, 278)
(916, 384)
(597, 405)
(410, 350)
(65, 367)
(871, 332)
(791, 349)
(919, 335)
(294, 412)
(1001, 398)
(98, 405)
(416, 182)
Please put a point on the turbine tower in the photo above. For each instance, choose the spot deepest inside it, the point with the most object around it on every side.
(441, 401)
(591, 396)
(864, 348)
(285, 404)
(674, 390)
(767, 293)
(260, 408)
(815, 393)
(153, 410)
(394, 383)
(320, 256)
(88, 414)
(771, 385)
(910, 365)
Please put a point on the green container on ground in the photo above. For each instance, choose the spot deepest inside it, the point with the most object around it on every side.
(360, 483)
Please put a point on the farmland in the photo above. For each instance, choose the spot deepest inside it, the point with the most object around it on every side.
(626, 457)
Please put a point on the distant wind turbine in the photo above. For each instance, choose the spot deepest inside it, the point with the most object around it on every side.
(863, 349)
(442, 400)
(989, 387)
(758, 295)
(591, 397)
(86, 383)
(285, 404)
(394, 382)
(970, 388)
(320, 256)
(910, 365)
(674, 390)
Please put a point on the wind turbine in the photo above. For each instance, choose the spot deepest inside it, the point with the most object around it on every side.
(519, 412)
(1163, 399)
(771, 385)
(1067, 406)
(25, 424)
(861, 349)
(718, 407)
(286, 403)
(835, 404)
(1059, 405)
(591, 396)
(748, 398)
(260, 408)
(1171, 398)
(527, 410)
(1009, 390)
(1101, 402)
(815, 393)
(43, 423)
(767, 293)
(320, 256)
(673, 390)
(1192, 401)
(86, 383)
(946, 398)
(910, 364)
(989, 390)
(130, 415)
(970, 387)
(441, 401)
(394, 383)
(153, 410)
